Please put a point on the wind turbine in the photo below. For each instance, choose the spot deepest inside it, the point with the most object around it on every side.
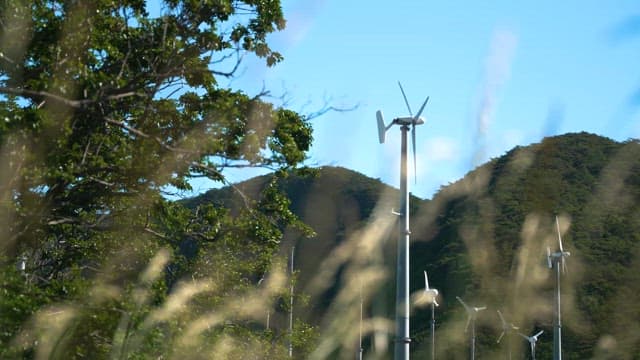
(472, 313)
(401, 351)
(432, 295)
(557, 260)
(532, 341)
(507, 328)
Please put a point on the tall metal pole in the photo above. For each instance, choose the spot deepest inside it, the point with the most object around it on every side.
(359, 354)
(473, 339)
(291, 306)
(268, 318)
(557, 328)
(402, 271)
(433, 330)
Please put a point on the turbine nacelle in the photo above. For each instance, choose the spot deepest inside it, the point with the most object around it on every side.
(408, 120)
(560, 254)
(382, 127)
(432, 296)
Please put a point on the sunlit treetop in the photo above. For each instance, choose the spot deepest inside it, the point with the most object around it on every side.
(108, 75)
(107, 104)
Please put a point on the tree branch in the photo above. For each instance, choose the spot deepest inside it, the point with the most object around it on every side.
(35, 95)
(123, 125)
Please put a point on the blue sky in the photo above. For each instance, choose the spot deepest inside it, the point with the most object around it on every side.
(498, 74)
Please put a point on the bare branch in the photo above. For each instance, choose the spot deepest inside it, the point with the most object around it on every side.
(151, 231)
(123, 125)
(62, 221)
(36, 95)
(239, 56)
(326, 107)
(105, 183)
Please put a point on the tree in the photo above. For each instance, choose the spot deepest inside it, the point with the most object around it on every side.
(105, 108)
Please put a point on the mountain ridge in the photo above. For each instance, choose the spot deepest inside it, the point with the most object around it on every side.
(484, 237)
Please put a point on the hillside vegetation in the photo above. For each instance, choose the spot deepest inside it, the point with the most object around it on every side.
(482, 238)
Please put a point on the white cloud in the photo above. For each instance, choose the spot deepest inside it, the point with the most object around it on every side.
(300, 19)
(437, 156)
(440, 149)
(497, 71)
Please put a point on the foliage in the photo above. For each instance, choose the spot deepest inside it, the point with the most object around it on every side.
(106, 108)
(484, 238)
(497, 222)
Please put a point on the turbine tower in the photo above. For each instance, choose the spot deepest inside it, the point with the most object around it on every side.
(557, 260)
(507, 328)
(360, 349)
(401, 351)
(532, 342)
(472, 313)
(432, 296)
(291, 270)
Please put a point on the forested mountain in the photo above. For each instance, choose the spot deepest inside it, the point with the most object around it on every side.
(483, 238)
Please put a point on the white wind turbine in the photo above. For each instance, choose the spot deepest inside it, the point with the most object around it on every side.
(432, 297)
(472, 313)
(403, 339)
(532, 342)
(557, 260)
(507, 328)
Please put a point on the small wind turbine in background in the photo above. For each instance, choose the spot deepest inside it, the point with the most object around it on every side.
(403, 339)
(507, 329)
(557, 260)
(532, 342)
(472, 313)
(432, 297)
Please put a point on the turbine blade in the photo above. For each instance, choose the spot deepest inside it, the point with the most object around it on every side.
(426, 281)
(502, 319)
(500, 338)
(549, 263)
(413, 142)
(538, 334)
(466, 327)
(524, 336)
(381, 128)
(559, 236)
(422, 108)
(564, 265)
(405, 99)
(466, 307)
